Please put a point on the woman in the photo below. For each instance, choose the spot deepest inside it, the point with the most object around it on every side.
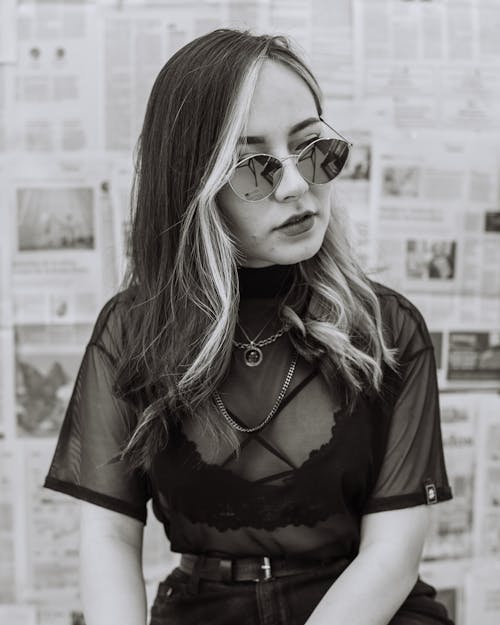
(279, 408)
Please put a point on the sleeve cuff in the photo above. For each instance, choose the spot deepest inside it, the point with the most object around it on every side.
(408, 500)
(91, 496)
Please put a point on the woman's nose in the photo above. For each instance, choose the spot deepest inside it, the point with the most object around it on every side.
(291, 185)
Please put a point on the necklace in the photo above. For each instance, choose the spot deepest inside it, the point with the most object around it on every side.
(253, 354)
(220, 404)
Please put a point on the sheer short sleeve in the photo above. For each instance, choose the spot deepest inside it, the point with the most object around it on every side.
(413, 470)
(96, 426)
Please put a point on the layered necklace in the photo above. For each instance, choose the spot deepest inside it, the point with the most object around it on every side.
(252, 350)
(223, 410)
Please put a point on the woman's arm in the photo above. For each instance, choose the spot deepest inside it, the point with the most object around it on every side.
(379, 579)
(111, 579)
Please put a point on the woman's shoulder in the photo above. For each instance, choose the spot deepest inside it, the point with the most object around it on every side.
(113, 322)
(403, 323)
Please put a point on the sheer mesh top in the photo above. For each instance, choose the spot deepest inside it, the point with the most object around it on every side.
(298, 486)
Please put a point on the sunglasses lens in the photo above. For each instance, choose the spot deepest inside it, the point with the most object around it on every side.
(256, 177)
(323, 160)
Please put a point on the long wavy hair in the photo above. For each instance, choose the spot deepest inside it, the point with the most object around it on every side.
(183, 268)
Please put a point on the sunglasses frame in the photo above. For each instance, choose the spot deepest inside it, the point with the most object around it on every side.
(285, 158)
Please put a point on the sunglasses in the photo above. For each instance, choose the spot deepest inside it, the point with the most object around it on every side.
(257, 176)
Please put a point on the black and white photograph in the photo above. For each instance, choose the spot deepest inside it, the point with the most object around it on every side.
(249, 312)
(55, 219)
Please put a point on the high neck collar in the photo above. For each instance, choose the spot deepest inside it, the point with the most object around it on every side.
(265, 282)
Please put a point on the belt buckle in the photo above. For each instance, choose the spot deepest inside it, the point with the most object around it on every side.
(266, 567)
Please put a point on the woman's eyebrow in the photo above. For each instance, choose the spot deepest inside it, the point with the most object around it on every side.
(253, 139)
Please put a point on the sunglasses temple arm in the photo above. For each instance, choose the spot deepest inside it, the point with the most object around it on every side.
(336, 132)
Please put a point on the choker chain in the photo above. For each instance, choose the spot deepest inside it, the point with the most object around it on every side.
(253, 354)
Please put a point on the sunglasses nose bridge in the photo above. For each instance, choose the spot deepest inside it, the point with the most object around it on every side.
(298, 180)
(286, 158)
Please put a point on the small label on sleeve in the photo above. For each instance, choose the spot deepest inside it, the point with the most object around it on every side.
(430, 492)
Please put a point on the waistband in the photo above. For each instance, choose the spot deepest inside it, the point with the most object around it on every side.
(257, 569)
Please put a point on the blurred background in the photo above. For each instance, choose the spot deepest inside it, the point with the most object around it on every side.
(415, 84)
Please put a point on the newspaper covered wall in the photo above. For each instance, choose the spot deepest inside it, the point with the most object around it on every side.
(413, 84)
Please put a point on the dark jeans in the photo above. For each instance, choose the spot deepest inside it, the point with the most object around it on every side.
(182, 600)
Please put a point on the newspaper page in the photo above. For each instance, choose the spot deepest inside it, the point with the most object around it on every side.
(464, 332)
(8, 31)
(451, 529)
(435, 64)
(7, 524)
(52, 532)
(433, 197)
(332, 47)
(57, 78)
(470, 84)
(396, 56)
(137, 44)
(352, 196)
(47, 361)
(61, 260)
(482, 594)
(487, 503)
(16, 614)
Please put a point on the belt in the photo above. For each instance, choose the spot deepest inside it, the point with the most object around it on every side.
(243, 569)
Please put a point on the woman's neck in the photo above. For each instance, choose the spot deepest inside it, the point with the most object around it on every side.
(265, 282)
(261, 293)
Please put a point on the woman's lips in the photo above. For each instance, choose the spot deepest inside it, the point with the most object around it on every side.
(298, 225)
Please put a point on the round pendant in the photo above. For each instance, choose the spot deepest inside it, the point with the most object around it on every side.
(253, 356)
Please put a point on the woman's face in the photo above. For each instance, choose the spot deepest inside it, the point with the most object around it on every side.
(281, 102)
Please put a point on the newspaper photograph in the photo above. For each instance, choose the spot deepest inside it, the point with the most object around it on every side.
(474, 356)
(55, 219)
(47, 362)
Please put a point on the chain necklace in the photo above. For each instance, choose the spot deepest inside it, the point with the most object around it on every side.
(253, 354)
(220, 404)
